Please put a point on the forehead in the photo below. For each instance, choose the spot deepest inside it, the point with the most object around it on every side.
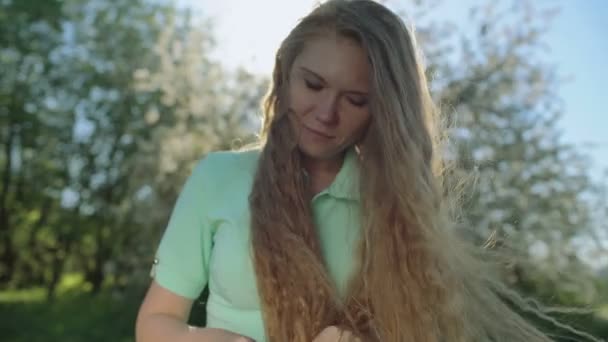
(340, 61)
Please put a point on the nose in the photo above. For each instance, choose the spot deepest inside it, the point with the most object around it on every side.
(327, 109)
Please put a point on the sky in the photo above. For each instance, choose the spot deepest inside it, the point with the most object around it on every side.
(577, 47)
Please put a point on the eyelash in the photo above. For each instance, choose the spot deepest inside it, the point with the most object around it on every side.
(317, 87)
(361, 103)
(313, 86)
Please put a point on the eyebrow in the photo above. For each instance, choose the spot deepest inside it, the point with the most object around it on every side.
(354, 92)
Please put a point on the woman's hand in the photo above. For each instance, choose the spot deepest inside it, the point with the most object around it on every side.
(335, 334)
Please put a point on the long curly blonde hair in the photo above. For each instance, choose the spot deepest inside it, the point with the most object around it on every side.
(415, 280)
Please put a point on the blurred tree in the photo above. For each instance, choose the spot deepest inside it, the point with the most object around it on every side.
(107, 108)
(151, 103)
(29, 31)
(501, 104)
(502, 110)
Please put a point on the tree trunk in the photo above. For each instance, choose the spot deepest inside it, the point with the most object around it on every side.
(56, 271)
(96, 275)
(7, 255)
(57, 267)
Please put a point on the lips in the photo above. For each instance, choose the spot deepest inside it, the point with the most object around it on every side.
(324, 135)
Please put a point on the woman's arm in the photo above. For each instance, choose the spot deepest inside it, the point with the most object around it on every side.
(163, 317)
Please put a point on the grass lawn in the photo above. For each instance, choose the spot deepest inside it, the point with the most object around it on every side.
(74, 315)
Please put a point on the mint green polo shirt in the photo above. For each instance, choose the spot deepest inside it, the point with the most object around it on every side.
(207, 238)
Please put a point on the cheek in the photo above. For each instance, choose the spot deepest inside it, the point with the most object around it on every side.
(300, 101)
(357, 125)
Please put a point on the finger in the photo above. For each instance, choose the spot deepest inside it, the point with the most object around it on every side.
(345, 336)
(348, 336)
(330, 333)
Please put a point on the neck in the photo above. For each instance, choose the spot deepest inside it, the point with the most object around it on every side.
(322, 167)
(322, 172)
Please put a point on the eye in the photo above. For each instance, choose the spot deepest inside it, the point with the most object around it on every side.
(357, 102)
(313, 86)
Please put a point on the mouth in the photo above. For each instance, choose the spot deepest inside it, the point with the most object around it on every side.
(318, 133)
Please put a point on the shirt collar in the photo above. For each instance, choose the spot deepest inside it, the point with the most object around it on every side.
(346, 183)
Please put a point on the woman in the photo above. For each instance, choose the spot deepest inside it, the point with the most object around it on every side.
(336, 227)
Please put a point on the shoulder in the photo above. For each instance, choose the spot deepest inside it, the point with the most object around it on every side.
(218, 166)
(222, 181)
(229, 161)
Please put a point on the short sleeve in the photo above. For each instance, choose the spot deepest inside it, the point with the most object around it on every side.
(182, 259)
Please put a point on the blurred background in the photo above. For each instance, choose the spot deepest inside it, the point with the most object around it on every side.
(105, 106)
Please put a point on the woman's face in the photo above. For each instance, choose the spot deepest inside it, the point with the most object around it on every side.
(328, 96)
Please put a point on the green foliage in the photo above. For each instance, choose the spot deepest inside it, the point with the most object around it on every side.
(106, 115)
